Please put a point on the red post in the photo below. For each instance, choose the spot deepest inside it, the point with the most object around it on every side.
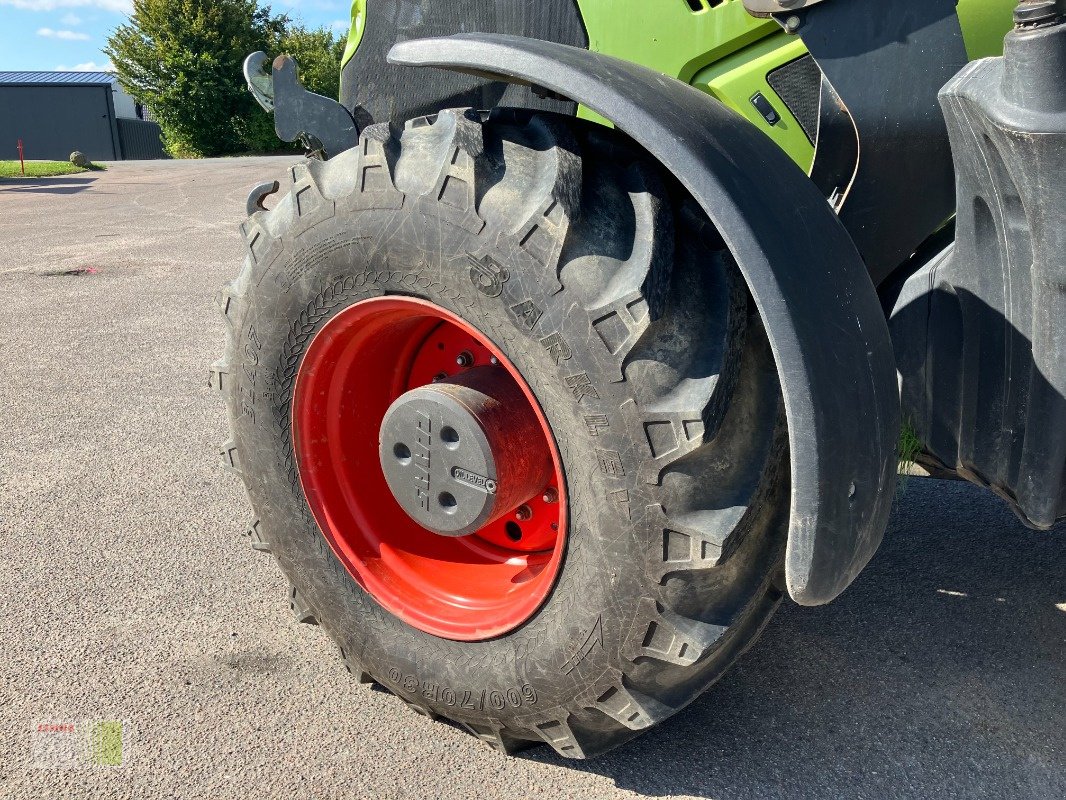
(22, 158)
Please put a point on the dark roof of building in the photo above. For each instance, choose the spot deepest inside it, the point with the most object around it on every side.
(65, 78)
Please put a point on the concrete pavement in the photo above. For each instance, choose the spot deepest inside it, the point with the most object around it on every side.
(128, 591)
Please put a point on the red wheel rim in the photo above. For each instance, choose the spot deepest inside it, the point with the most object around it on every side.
(468, 587)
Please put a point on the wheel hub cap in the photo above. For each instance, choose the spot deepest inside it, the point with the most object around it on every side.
(454, 453)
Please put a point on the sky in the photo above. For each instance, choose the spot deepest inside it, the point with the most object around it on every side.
(71, 34)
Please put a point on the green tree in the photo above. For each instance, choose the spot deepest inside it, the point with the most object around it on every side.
(182, 58)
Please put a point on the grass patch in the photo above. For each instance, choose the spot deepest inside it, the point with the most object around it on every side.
(909, 448)
(42, 169)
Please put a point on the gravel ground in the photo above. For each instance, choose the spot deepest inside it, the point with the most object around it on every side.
(129, 591)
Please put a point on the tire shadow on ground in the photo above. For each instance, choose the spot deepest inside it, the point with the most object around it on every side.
(57, 185)
(941, 672)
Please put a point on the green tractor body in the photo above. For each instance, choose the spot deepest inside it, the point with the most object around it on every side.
(586, 334)
(721, 49)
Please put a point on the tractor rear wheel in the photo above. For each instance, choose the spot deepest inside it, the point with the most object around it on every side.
(510, 424)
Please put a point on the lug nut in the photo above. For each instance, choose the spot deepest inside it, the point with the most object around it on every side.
(465, 359)
(550, 495)
(523, 513)
(493, 360)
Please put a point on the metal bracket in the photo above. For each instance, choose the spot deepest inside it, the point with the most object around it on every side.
(299, 115)
(260, 83)
(257, 197)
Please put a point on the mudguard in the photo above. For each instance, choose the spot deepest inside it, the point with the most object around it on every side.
(823, 318)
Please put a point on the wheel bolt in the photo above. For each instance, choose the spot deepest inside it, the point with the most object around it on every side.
(465, 359)
(493, 360)
(551, 495)
(523, 513)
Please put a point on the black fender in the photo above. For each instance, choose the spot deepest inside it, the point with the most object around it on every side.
(822, 315)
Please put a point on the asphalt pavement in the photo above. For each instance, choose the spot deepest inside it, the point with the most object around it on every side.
(129, 592)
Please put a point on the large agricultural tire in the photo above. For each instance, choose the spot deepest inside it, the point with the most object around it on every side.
(574, 262)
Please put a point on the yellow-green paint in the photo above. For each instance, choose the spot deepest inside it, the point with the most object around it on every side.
(667, 35)
(984, 24)
(735, 79)
(355, 32)
(722, 50)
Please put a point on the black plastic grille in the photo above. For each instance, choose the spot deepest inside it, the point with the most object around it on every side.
(798, 84)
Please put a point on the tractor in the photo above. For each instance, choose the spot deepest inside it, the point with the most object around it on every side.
(586, 331)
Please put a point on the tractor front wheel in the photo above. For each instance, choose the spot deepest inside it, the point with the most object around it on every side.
(510, 425)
